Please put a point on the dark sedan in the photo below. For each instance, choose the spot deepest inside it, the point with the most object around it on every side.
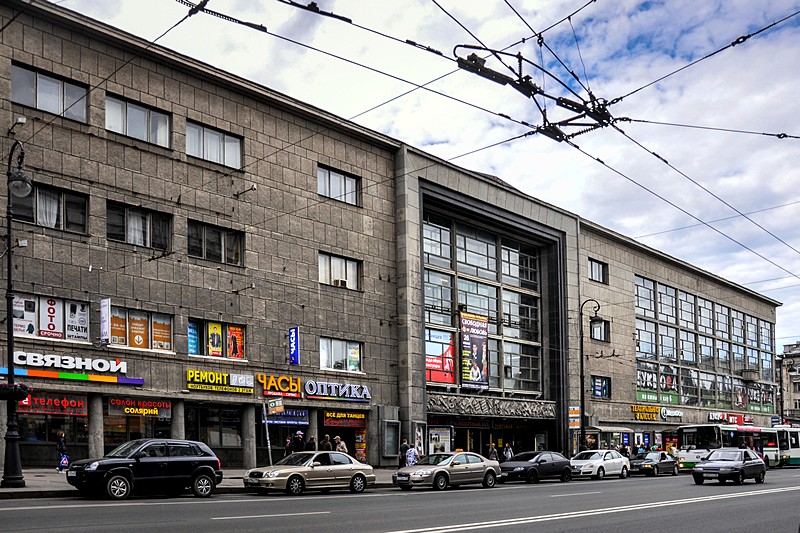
(654, 463)
(533, 466)
(731, 464)
(149, 466)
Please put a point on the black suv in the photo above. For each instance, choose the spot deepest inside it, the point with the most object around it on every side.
(149, 466)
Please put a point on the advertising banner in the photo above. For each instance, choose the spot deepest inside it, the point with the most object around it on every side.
(119, 326)
(474, 351)
(51, 318)
(361, 445)
(24, 314)
(439, 439)
(193, 338)
(162, 332)
(77, 321)
(440, 356)
(138, 329)
(235, 342)
(215, 339)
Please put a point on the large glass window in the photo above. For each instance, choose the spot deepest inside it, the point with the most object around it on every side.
(476, 252)
(520, 264)
(339, 271)
(765, 334)
(48, 93)
(667, 304)
(520, 316)
(522, 367)
(668, 343)
(645, 297)
(598, 271)
(751, 325)
(737, 326)
(689, 384)
(213, 145)
(706, 347)
(438, 289)
(688, 348)
(53, 208)
(215, 243)
(645, 339)
(436, 246)
(338, 186)
(722, 321)
(723, 356)
(738, 357)
(138, 226)
(335, 354)
(708, 389)
(138, 121)
(766, 366)
(686, 310)
(216, 339)
(705, 316)
(480, 299)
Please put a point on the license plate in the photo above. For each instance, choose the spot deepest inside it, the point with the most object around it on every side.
(710, 475)
(402, 476)
(71, 473)
(252, 482)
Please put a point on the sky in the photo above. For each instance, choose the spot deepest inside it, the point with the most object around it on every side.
(690, 160)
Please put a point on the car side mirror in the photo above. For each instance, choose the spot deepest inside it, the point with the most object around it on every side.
(140, 454)
(455, 463)
(316, 463)
(542, 461)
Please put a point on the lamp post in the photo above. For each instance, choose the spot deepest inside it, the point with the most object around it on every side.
(18, 185)
(592, 320)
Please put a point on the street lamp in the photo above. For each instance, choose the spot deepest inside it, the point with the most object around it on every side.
(18, 185)
(592, 320)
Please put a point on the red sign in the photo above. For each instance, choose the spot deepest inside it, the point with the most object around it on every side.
(50, 403)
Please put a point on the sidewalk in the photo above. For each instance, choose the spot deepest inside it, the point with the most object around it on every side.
(47, 483)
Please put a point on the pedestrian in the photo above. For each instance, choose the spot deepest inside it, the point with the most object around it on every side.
(298, 444)
(412, 456)
(402, 455)
(325, 444)
(61, 448)
(493, 455)
(508, 453)
(340, 445)
(311, 445)
(287, 446)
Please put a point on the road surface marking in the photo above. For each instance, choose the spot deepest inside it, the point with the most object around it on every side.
(243, 517)
(574, 494)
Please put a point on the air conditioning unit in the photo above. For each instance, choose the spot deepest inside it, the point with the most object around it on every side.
(340, 283)
(750, 374)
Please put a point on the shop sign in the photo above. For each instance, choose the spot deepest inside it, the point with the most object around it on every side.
(290, 417)
(349, 392)
(361, 445)
(717, 417)
(207, 380)
(69, 362)
(645, 412)
(736, 419)
(667, 413)
(345, 419)
(46, 403)
(140, 407)
(286, 386)
(294, 346)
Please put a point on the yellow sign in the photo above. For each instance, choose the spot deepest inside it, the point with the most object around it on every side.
(645, 412)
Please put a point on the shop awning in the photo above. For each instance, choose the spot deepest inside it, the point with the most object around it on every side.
(610, 429)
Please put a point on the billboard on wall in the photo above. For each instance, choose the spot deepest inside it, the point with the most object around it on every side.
(474, 351)
(440, 356)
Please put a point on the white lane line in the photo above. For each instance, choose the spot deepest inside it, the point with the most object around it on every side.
(244, 517)
(455, 528)
(574, 494)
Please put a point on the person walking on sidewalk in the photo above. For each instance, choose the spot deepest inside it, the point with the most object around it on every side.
(61, 448)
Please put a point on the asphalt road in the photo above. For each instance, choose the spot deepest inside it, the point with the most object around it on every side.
(636, 504)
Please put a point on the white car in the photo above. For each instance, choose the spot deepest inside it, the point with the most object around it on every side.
(599, 463)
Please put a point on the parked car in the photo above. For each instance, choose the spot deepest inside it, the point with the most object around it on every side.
(440, 470)
(732, 464)
(654, 463)
(533, 466)
(599, 463)
(149, 466)
(301, 471)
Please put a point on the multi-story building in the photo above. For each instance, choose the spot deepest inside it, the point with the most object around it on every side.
(789, 368)
(197, 244)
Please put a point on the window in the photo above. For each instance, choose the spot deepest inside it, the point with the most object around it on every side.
(337, 354)
(766, 366)
(737, 326)
(215, 243)
(339, 271)
(138, 121)
(520, 264)
(438, 290)
(601, 387)
(138, 226)
(338, 186)
(213, 145)
(45, 92)
(522, 367)
(765, 334)
(216, 339)
(51, 318)
(480, 299)
(600, 330)
(706, 345)
(53, 208)
(688, 388)
(705, 316)
(667, 302)
(476, 252)
(688, 343)
(721, 321)
(708, 390)
(645, 339)
(645, 297)
(140, 329)
(598, 271)
(668, 343)
(723, 356)
(686, 310)
(796, 386)
(520, 316)
(436, 247)
(751, 325)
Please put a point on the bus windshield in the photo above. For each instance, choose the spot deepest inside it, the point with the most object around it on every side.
(700, 437)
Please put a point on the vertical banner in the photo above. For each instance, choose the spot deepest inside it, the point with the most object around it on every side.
(105, 321)
(474, 351)
(215, 339)
(235, 342)
(119, 326)
(294, 346)
(162, 332)
(51, 318)
(193, 334)
(361, 445)
(138, 329)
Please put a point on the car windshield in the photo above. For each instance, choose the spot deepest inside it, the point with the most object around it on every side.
(588, 456)
(434, 459)
(653, 456)
(125, 450)
(720, 455)
(527, 456)
(295, 459)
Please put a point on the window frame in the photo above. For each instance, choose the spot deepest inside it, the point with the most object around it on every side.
(198, 341)
(149, 227)
(66, 102)
(329, 345)
(598, 271)
(604, 383)
(204, 145)
(225, 235)
(351, 268)
(348, 187)
(600, 330)
(150, 127)
(32, 204)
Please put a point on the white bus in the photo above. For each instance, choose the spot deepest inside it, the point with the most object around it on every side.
(789, 442)
(696, 441)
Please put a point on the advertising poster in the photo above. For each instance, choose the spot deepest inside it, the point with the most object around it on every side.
(119, 326)
(24, 315)
(193, 338)
(105, 320)
(361, 445)
(353, 357)
(51, 318)
(162, 332)
(668, 385)
(646, 382)
(439, 439)
(440, 356)
(138, 329)
(215, 339)
(77, 321)
(474, 351)
(235, 342)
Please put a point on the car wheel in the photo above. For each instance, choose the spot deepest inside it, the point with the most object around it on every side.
(566, 476)
(405, 487)
(655, 470)
(440, 482)
(624, 473)
(600, 473)
(766, 462)
(533, 476)
(675, 470)
(358, 483)
(760, 477)
(739, 478)
(698, 480)
(489, 480)
(295, 486)
(118, 487)
(203, 486)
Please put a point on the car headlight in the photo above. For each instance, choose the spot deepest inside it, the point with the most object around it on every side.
(698, 469)
(519, 469)
(271, 473)
(93, 465)
(647, 466)
(422, 473)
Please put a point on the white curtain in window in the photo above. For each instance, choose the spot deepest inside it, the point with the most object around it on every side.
(47, 209)
(137, 226)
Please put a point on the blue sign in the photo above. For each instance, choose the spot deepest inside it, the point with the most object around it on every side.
(646, 437)
(626, 439)
(294, 346)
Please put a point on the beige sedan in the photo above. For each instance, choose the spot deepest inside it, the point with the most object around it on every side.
(440, 470)
(303, 471)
